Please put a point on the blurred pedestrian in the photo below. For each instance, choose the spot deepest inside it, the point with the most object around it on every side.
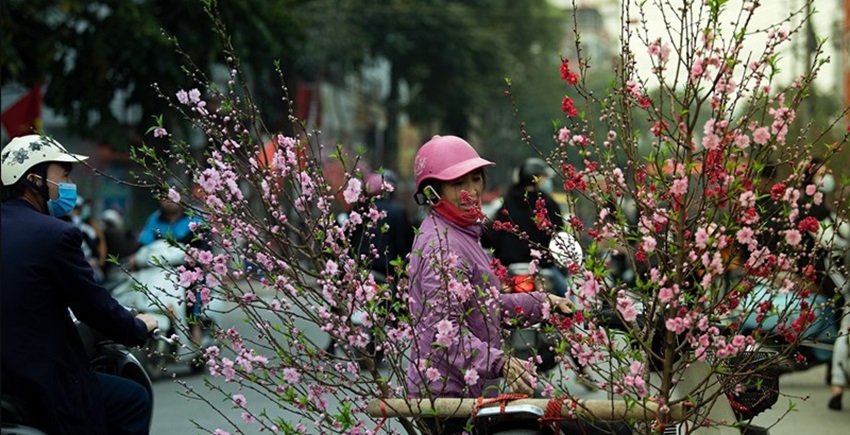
(94, 242)
(121, 242)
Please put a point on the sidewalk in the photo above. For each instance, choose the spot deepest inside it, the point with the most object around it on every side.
(808, 415)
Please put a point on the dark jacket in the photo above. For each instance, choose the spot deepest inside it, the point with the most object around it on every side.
(44, 273)
(396, 242)
(519, 209)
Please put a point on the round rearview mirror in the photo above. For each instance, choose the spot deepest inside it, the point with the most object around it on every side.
(566, 250)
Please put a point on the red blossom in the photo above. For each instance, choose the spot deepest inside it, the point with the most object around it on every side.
(640, 176)
(541, 218)
(658, 128)
(776, 191)
(641, 256)
(499, 269)
(643, 101)
(502, 226)
(810, 224)
(809, 273)
(568, 107)
(566, 75)
(576, 223)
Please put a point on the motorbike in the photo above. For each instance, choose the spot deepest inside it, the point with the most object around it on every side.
(106, 356)
(160, 301)
(527, 342)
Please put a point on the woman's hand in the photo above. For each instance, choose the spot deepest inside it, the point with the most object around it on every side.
(517, 377)
(563, 305)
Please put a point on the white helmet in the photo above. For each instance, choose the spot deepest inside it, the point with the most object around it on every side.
(24, 152)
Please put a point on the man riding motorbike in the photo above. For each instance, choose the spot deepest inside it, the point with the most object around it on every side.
(45, 274)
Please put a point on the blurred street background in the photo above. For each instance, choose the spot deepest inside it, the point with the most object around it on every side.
(381, 76)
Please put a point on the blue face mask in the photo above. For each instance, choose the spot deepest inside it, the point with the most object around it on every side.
(66, 202)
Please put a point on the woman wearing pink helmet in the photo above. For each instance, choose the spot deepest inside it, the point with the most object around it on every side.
(456, 306)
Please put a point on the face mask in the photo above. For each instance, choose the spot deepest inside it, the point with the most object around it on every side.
(547, 185)
(66, 202)
(827, 183)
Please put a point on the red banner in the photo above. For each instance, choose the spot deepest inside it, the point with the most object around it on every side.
(24, 117)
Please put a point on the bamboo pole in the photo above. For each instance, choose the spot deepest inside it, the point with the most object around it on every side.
(593, 410)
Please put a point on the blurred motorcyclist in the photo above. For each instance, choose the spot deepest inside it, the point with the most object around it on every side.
(44, 275)
(170, 222)
(526, 205)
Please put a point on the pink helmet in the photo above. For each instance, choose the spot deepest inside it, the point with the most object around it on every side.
(446, 158)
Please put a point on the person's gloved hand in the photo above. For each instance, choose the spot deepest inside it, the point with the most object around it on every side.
(559, 304)
(518, 378)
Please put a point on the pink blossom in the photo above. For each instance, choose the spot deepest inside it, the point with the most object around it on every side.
(649, 243)
(352, 191)
(680, 186)
(564, 135)
(247, 417)
(710, 141)
(173, 195)
(445, 333)
(811, 189)
(793, 237)
(742, 141)
(761, 136)
(747, 199)
(589, 287)
(291, 375)
(239, 400)
(702, 238)
(331, 268)
(219, 431)
(432, 374)
(665, 295)
(678, 324)
(745, 235)
(194, 95)
(626, 309)
(204, 257)
(160, 132)
(471, 377)
(182, 97)
(697, 69)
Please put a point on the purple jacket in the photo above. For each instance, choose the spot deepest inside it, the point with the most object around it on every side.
(442, 249)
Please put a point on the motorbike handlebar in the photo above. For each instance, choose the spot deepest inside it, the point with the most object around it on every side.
(156, 334)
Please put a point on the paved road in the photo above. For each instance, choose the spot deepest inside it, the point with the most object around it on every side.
(173, 413)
